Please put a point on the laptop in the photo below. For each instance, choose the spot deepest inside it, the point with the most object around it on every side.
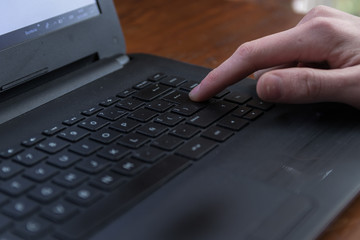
(100, 144)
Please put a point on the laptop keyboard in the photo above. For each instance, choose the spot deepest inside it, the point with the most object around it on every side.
(74, 176)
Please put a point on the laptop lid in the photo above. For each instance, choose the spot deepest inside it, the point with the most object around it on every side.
(37, 40)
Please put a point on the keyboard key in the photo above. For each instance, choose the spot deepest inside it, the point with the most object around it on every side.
(157, 77)
(52, 145)
(45, 193)
(159, 105)
(196, 148)
(141, 85)
(91, 111)
(108, 181)
(20, 208)
(186, 109)
(152, 129)
(253, 114)
(148, 154)
(130, 104)
(73, 134)
(70, 179)
(63, 159)
(32, 141)
(32, 228)
(177, 97)
(126, 93)
(133, 140)
(173, 81)
(5, 223)
(59, 211)
(128, 167)
(237, 97)
(73, 120)
(222, 94)
(120, 197)
(84, 196)
(125, 125)
(29, 157)
(185, 131)
(9, 169)
(109, 101)
(15, 187)
(211, 113)
(105, 136)
(258, 103)
(233, 123)
(53, 130)
(92, 165)
(169, 119)
(217, 133)
(40, 173)
(114, 152)
(167, 142)
(151, 92)
(189, 85)
(10, 152)
(93, 124)
(142, 115)
(85, 147)
(241, 111)
(111, 114)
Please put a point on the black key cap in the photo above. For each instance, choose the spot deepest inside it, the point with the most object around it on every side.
(40, 173)
(5, 223)
(128, 167)
(52, 145)
(122, 197)
(11, 151)
(172, 81)
(196, 148)
(237, 97)
(125, 125)
(20, 208)
(70, 179)
(114, 152)
(91, 111)
(222, 94)
(9, 169)
(111, 114)
(32, 141)
(148, 154)
(152, 129)
(159, 105)
(126, 93)
(151, 92)
(167, 142)
(185, 131)
(217, 133)
(189, 85)
(59, 211)
(141, 85)
(109, 101)
(33, 228)
(233, 123)
(133, 140)
(85, 148)
(186, 109)
(16, 186)
(45, 193)
(73, 120)
(178, 97)
(254, 114)
(143, 115)
(29, 157)
(105, 136)
(157, 76)
(258, 103)
(73, 134)
(53, 130)
(241, 111)
(211, 113)
(93, 124)
(108, 181)
(169, 119)
(130, 104)
(63, 159)
(92, 165)
(84, 196)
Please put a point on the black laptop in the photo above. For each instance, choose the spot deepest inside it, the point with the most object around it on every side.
(98, 144)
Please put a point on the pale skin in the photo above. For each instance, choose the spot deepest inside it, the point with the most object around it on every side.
(316, 61)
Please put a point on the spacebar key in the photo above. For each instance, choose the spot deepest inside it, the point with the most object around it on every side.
(122, 198)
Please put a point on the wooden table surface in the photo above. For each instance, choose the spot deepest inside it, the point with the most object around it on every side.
(206, 32)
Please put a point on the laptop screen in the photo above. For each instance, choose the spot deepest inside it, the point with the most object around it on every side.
(25, 20)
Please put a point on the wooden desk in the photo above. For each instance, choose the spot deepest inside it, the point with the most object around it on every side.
(206, 32)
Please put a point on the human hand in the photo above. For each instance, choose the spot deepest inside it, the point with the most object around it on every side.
(316, 61)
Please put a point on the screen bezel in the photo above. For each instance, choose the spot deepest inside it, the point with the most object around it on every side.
(101, 35)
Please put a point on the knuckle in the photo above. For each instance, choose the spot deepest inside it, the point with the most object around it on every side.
(311, 85)
(322, 26)
(318, 11)
(246, 51)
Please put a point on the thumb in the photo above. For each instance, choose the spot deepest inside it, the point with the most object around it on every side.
(308, 85)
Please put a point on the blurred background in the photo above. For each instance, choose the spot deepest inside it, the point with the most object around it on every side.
(350, 6)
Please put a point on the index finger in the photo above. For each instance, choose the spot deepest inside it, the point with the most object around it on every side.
(294, 45)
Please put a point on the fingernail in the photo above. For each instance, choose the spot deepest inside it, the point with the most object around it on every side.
(271, 89)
